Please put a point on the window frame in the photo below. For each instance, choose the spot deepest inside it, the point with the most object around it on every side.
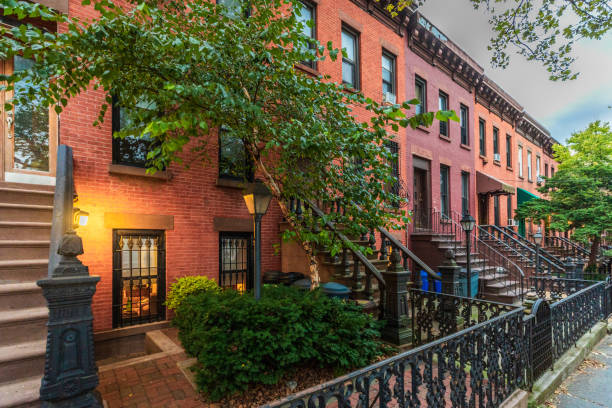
(509, 207)
(464, 124)
(538, 167)
(355, 64)
(529, 166)
(313, 7)
(117, 142)
(249, 175)
(465, 192)
(420, 83)
(444, 126)
(394, 148)
(508, 150)
(445, 193)
(482, 137)
(495, 141)
(393, 58)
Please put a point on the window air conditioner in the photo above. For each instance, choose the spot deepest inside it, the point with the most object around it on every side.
(496, 157)
(512, 222)
(389, 97)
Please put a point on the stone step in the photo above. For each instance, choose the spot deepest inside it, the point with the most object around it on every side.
(18, 194)
(21, 393)
(23, 249)
(500, 287)
(25, 212)
(23, 270)
(22, 360)
(17, 326)
(18, 230)
(15, 296)
(507, 298)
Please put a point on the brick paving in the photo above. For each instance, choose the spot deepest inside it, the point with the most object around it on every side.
(154, 383)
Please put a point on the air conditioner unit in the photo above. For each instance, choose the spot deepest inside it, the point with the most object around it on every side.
(540, 180)
(389, 97)
(512, 222)
(496, 157)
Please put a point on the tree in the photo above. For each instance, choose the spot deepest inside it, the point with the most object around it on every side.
(579, 195)
(540, 30)
(186, 68)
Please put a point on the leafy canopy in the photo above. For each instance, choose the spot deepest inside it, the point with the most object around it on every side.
(186, 68)
(580, 192)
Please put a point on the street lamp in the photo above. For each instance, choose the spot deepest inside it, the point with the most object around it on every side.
(537, 239)
(257, 198)
(468, 223)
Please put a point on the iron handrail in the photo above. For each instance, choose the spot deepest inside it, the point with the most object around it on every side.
(532, 252)
(575, 248)
(532, 245)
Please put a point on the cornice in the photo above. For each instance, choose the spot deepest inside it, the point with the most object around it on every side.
(378, 10)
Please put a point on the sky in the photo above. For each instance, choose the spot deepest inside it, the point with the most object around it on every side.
(562, 107)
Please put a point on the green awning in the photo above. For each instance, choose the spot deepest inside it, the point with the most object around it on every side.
(522, 196)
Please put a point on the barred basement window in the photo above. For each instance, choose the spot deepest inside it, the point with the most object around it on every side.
(139, 277)
(236, 260)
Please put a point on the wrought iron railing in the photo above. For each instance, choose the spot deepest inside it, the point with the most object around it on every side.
(478, 366)
(543, 252)
(553, 288)
(515, 246)
(566, 247)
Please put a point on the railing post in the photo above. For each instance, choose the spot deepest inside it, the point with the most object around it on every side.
(449, 272)
(397, 329)
(579, 271)
(570, 268)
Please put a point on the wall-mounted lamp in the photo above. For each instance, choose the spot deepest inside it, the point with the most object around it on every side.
(80, 218)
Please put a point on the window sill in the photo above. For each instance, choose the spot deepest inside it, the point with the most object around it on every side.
(445, 138)
(521, 177)
(231, 183)
(350, 89)
(509, 168)
(530, 180)
(497, 163)
(464, 146)
(308, 70)
(484, 159)
(422, 129)
(122, 169)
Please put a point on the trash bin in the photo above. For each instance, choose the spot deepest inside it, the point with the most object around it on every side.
(272, 277)
(437, 286)
(463, 287)
(335, 290)
(303, 284)
(290, 277)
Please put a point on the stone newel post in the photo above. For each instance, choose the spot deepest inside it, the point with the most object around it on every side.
(397, 329)
(449, 272)
(71, 375)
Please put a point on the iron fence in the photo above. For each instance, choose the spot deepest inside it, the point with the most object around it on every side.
(557, 288)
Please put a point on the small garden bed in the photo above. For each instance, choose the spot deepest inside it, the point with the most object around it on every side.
(251, 352)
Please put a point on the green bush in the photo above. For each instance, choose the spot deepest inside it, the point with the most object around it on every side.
(239, 341)
(187, 286)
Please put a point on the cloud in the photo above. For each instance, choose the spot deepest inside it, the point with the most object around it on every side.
(562, 107)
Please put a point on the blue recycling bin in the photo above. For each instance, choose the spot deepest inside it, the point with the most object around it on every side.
(335, 290)
(437, 286)
(463, 287)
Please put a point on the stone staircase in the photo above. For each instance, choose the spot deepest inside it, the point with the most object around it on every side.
(25, 226)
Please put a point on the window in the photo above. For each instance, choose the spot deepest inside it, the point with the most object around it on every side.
(233, 8)
(529, 174)
(537, 167)
(482, 135)
(130, 150)
(234, 162)
(496, 210)
(495, 143)
(236, 260)
(508, 150)
(393, 148)
(463, 122)
(444, 191)
(350, 62)
(420, 90)
(139, 275)
(307, 18)
(552, 171)
(545, 169)
(509, 207)
(520, 161)
(388, 77)
(443, 105)
(465, 192)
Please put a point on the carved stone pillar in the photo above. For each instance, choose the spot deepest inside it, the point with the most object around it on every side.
(449, 272)
(71, 375)
(397, 329)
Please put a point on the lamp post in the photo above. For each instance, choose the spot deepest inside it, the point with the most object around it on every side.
(468, 223)
(257, 198)
(537, 239)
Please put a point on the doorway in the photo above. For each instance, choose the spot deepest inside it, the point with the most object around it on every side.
(422, 194)
(483, 209)
(28, 133)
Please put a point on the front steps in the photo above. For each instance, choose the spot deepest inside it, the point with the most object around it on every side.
(25, 228)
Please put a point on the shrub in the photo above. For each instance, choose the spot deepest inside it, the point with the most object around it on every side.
(239, 341)
(187, 286)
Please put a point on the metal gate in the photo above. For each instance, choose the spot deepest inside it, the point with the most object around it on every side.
(236, 260)
(541, 339)
(139, 277)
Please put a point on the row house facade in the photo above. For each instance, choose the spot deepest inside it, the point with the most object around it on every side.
(146, 230)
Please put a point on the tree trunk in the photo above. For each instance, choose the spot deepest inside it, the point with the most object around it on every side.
(594, 251)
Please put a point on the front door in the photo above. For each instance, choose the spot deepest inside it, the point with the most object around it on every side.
(421, 199)
(483, 209)
(28, 134)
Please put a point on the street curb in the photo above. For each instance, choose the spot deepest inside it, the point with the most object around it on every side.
(550, 381)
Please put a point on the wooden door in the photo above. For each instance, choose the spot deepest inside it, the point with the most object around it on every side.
(29, 134)
(483, 209)
(421, 198)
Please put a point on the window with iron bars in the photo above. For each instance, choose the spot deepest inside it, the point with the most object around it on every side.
(236, 260)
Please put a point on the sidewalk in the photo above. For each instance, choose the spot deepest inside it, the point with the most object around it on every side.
(591, 384)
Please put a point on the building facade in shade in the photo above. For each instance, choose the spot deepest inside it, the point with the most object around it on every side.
(514, 153)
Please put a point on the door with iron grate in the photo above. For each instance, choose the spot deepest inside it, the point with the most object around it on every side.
(139, 277)
(236, 260)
